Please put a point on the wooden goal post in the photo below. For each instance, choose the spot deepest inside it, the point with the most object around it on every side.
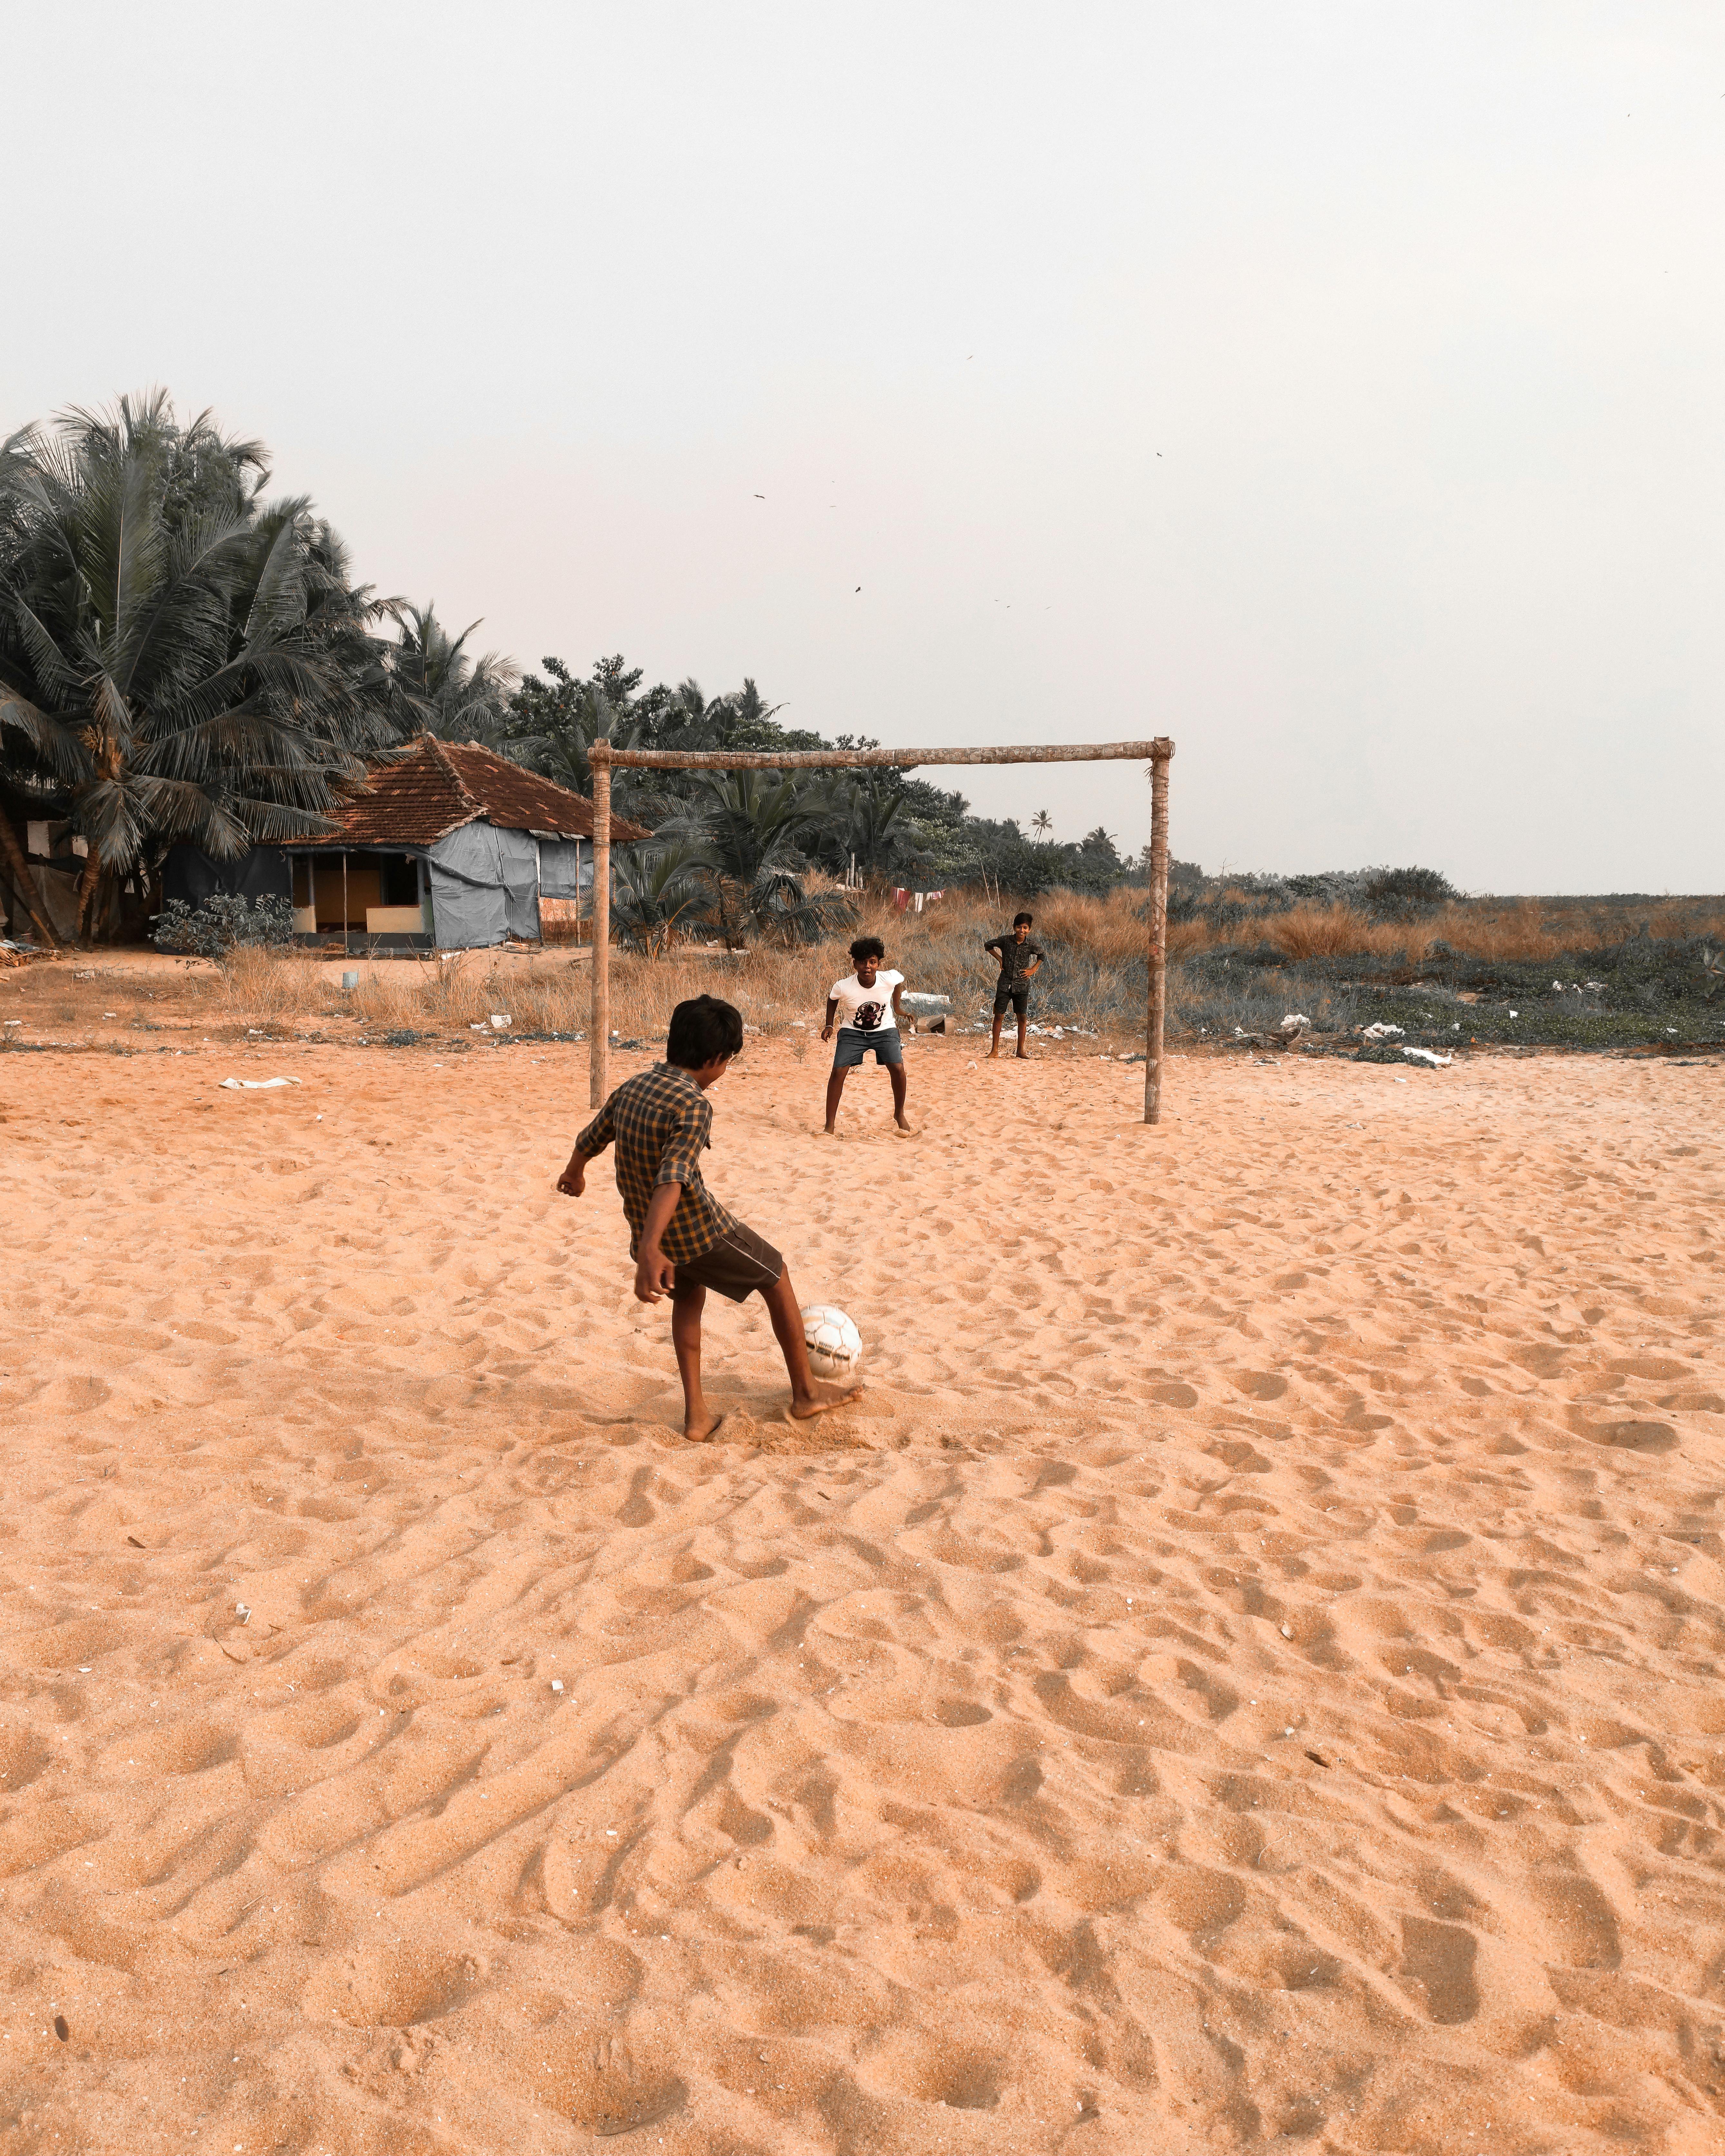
(604, 759)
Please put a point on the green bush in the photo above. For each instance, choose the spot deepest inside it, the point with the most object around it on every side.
(211, 929)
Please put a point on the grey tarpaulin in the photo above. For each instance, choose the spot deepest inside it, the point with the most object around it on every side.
(467, 895)
(519, 852)
(565, 868)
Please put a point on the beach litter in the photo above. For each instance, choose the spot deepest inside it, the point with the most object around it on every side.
(255, 1085)
(1380, 1031)
(1294, 1024)
(500, 1020)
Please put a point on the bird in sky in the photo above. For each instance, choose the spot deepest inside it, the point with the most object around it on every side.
(762, 497)
(859, 588)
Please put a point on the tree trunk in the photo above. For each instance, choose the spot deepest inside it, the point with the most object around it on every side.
(88, 884)
(17, 871)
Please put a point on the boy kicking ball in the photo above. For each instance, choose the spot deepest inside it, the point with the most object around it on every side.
(683, 1241)
(866, 1008)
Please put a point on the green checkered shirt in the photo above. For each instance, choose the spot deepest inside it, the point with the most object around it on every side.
(661, 1119)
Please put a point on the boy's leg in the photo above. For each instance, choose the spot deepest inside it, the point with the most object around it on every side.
(999, 1019)
(900, 1087)
(835, 1087)
(1024, 1020)
(699, 1422)
(809, 1396)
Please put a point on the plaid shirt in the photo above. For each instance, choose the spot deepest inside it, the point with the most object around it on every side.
(660, 1119)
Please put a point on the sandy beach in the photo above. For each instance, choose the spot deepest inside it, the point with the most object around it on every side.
(1247, 1677)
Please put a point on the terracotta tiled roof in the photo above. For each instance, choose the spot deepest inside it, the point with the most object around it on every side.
(438, 785)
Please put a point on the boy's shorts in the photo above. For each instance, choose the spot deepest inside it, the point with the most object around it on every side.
(740, 1263)
(1017, 994)
(853, 1045)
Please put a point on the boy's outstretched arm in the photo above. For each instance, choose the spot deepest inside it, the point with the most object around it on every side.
(826, 1030)
(591, 1143)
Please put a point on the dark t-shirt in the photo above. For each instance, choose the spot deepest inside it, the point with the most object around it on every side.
(1015, 957)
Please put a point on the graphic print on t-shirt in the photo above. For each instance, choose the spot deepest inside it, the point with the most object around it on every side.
(870, 1015)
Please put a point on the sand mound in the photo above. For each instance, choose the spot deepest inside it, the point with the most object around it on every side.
(1247, 1677)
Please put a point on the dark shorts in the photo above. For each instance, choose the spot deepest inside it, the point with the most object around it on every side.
(854, 1045)
(1016, 992)
(739, 1264)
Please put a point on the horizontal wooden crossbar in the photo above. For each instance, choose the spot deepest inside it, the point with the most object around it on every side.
(893, 759)
(604, 759)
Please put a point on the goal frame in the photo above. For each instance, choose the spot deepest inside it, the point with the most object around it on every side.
(604, 759)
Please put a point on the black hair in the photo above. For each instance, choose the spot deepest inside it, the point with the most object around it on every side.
(1029, 919)
(702, 1030)
(867, 946)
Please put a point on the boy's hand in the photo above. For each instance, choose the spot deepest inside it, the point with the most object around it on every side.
(655, 1275)
(826, 1033)
(572, 1182)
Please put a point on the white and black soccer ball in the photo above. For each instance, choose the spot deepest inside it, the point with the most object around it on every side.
(834, 1344)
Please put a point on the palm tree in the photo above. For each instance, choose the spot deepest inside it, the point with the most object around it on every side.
(747, 831)
(656, 886)
(859, 818)
(455, 696)
(1041, 823)
(179, 659)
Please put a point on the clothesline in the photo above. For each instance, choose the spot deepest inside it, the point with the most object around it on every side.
(901, 897)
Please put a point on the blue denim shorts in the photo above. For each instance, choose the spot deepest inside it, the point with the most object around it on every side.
(854, 1045)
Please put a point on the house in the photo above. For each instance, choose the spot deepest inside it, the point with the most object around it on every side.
(448, 846)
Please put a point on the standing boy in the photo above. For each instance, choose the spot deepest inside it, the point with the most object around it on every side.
(869, 1003)
(1019, 958)
(683, 1241)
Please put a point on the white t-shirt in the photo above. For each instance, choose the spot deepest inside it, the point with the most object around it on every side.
(867, 1010)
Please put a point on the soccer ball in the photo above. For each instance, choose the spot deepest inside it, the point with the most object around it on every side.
(834, 1344)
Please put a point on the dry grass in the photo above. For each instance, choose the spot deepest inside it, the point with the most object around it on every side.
(1328, 931)
(266, 985)
(1095, 976)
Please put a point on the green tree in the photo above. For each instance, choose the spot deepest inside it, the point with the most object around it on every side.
(449, 693)
(553, 723)
(657, 887)
(179, 658)
(858, 820)
(1042, 825)
(748, 827)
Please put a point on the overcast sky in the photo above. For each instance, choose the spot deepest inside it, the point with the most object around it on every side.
(1336, 387)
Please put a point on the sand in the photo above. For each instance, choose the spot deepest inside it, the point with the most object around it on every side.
(1247, 1677)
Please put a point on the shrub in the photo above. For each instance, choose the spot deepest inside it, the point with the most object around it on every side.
(1407, 893)
(213, 928)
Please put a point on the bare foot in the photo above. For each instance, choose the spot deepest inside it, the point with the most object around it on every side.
(830, 1131)
(821, 1398)
(992, 1055)
(903, 1128)
(699, 1433)
(1021, 1057)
